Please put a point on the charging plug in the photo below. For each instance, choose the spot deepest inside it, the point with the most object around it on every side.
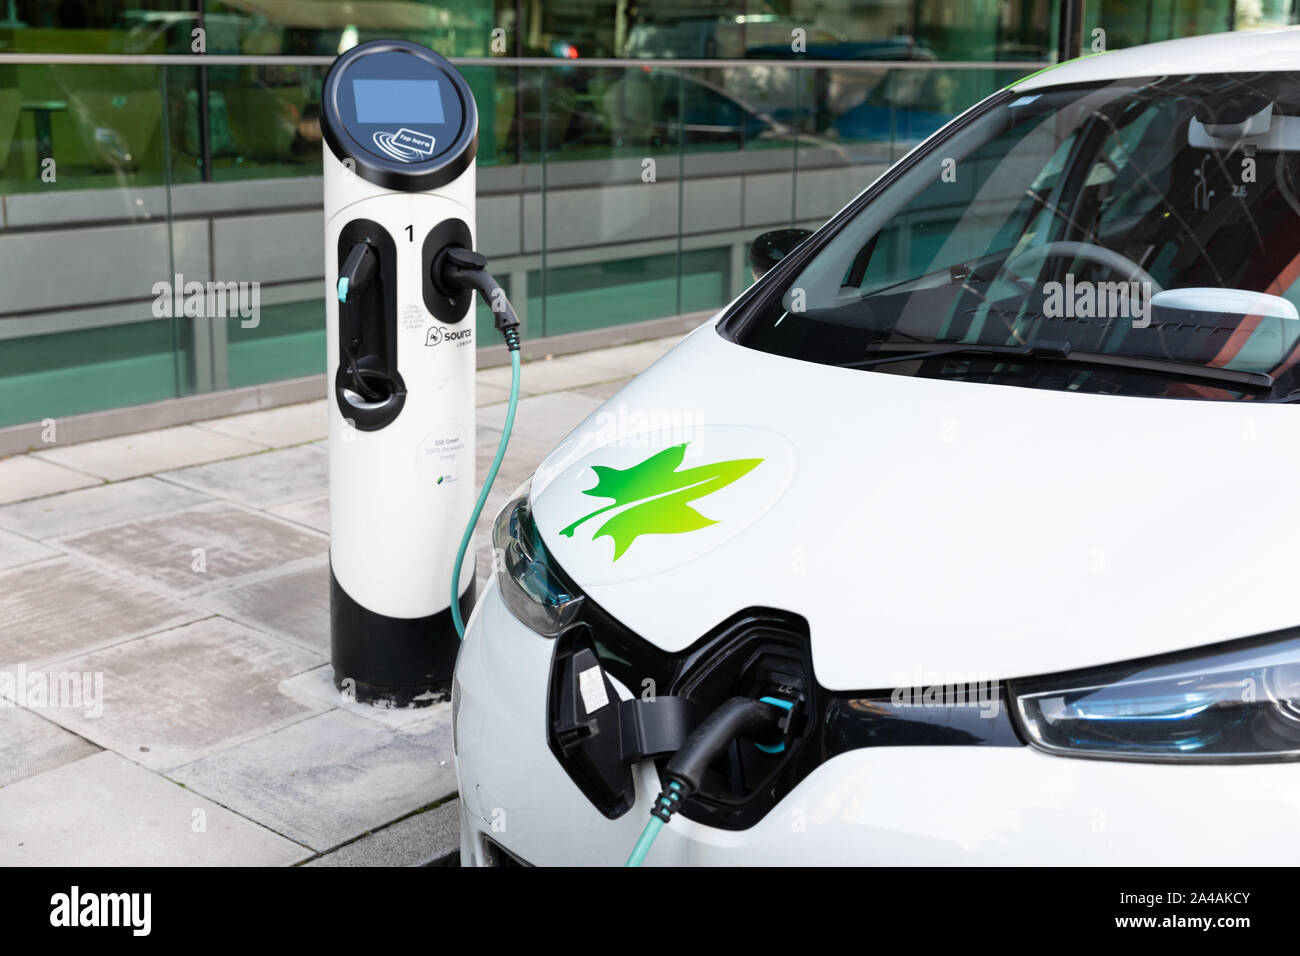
(741, 718)
(358, 271)
(456, 269)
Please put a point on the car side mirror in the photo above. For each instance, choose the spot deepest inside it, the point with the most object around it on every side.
(771, 247)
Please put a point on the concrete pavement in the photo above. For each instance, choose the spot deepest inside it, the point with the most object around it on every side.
(165, 689)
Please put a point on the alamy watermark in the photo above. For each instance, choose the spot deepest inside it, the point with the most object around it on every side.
(208, 300)
(41, 690)
(131, 911)
(639, 428)
(1098, 300)
(947, 690)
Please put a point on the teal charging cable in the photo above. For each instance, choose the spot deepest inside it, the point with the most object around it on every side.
(454, 271)
(667, 804)
(487, 488)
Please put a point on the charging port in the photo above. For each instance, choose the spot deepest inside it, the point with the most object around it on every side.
(760, 655)
(761, 664)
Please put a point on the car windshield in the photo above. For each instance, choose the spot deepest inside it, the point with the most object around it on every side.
(1157, 219)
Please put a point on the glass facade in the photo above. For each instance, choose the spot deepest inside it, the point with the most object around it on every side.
(629, 151)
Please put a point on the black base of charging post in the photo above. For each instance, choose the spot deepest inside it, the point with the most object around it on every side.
(393, 661)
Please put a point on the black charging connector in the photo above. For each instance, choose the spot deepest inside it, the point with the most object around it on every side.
(355, 276)
(742, 718)
(456, 269)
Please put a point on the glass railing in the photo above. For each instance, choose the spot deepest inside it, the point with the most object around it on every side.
(609, 193)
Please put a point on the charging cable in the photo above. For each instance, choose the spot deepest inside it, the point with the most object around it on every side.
(455, 270)
(740, 717)
(358, 271)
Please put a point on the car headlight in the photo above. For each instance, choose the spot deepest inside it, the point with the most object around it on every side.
(1231, 702)
(532, 584)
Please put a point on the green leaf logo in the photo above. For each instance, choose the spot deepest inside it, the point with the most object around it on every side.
(655, 496)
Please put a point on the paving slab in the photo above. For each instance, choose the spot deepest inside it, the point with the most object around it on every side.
(485, 394)
(551, 375)
(542, 418)
(329, 779)
(16, 550)
(317, 685)
(62, 607)
(104, 504)
(275, 427)
(173, 697)
(30, 744)
(604, 391)
(312, 512)
(145, 453)
(261, 481)
(631, 359)
(200, 549)
(25, 476)
(419, 840)
(293, 606)
(107, 811)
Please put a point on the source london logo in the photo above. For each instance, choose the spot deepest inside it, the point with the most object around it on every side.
(436, 335)
(653, 497)
(406, 145)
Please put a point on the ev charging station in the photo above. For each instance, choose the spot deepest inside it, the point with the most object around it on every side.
(401, 131)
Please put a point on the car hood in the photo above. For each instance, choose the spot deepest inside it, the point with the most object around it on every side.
(928, 530)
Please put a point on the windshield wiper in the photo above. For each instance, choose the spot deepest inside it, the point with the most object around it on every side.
(910, 352)
(1061, 352)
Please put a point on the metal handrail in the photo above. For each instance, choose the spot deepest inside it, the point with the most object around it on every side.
(223, 59)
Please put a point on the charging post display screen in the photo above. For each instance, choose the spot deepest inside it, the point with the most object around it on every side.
(397, 101)
(400, 115)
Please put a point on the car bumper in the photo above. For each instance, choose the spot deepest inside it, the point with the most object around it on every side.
(895, 805)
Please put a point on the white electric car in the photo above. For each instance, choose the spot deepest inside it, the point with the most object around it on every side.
(990, 489)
